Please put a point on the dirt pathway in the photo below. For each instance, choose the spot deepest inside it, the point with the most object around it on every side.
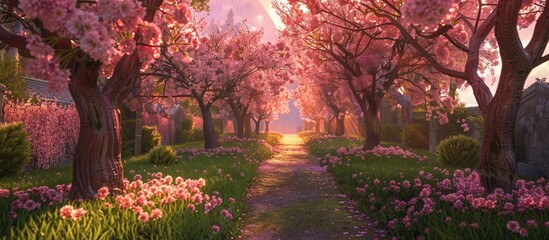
(294, 198)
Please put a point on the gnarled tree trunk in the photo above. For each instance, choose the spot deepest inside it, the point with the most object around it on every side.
(247, 125)
(373, 127)
(498, 167)
(340, 126)
(257, 124)
(267, 126)
(97, 161)
(210, 139)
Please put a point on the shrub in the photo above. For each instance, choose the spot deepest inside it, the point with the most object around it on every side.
(416, 135)
(183, 131)
(15, 148)
(161, 155)
(150, 138)
(459, 151)
(391, 133)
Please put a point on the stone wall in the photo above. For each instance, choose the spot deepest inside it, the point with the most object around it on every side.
(532, 127)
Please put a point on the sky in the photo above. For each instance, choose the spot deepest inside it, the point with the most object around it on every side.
(263, 15)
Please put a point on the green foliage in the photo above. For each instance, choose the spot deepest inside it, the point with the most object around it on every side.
(460, 112)
(183, 131)
(11, 76)
(322, 146)
(15, 149)
(150, 138)
(161, 155)
(459, 151)
(391, 133)
(271, 138)
(128, 137)
(416, 135)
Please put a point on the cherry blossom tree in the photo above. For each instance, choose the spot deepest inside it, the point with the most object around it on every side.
(272, 101)
(369, 61)
(97, 49)
(476, 30)
(258, 60)
(323, 84)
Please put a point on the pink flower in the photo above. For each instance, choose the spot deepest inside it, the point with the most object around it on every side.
(4, 192)
(216, 228)
(523, 232)
(531, 223)
(79, 214)
(156, 214)
(226, 214)
(102, 193)
(66, 211)
(69, 212)
(513, 226)
(143, 217)
(232, 200)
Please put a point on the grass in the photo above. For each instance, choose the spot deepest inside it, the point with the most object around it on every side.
(229, 174)
(368, 181)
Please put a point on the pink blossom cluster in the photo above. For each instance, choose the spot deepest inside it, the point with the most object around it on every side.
(427, 194)
(140, 197)
(33, 198)
(428, 12)
(104, 30)
(52, 128)
(4, 192)
(69, 212)
(464, 124)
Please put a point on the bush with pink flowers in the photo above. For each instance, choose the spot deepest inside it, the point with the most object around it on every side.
(52, 128)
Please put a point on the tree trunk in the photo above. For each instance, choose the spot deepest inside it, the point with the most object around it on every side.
(247, 125)
(372, 127)
(498, 167)
(2, 89)
(267, 126)
(97, 162)
(340, 126)
(210, 139)
(239, 124)
(257, 123)
(328, 125)
(317, 126)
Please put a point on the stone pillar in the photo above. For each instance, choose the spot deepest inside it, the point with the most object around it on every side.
(2, 89)
(434, 135)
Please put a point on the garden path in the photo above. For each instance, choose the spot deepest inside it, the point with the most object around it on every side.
(294, 198)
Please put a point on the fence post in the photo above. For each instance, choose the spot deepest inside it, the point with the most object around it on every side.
(2, 89)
